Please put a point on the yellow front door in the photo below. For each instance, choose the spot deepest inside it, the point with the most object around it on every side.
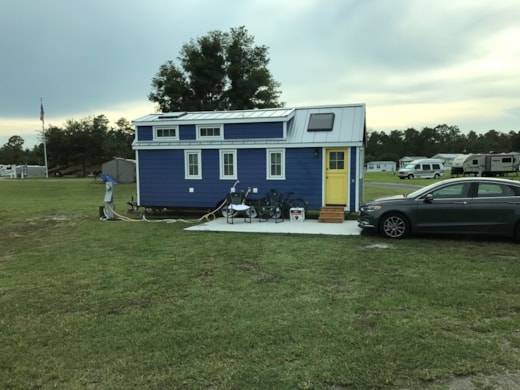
(336, 177)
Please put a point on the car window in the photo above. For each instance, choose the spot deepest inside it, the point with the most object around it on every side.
(488, 190)
(426, 167)
(436, 166)
(451, 191)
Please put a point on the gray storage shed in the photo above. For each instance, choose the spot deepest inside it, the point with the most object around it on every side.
(121, 169)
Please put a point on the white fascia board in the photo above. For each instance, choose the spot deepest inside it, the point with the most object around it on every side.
(180, 122)
(149, 145)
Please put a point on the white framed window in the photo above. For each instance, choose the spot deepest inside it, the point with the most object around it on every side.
(275, 164)
(228, 164)
(192, 164)
(209, 132)
(166, 133)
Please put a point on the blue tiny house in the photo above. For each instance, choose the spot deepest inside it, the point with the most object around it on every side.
(192, 159)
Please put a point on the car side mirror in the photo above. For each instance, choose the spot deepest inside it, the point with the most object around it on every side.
(428, 198)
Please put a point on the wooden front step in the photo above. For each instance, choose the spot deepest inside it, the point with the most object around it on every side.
(332, 214)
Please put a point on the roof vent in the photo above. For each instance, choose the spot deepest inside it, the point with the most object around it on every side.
(321, 122)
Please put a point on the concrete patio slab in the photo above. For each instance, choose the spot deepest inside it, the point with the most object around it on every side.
(309, 226)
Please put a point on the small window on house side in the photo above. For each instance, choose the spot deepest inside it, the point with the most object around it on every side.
(275, 164)
(321, 122)
(192, 164)
(166, 133)
(228, 164)
(210, 132)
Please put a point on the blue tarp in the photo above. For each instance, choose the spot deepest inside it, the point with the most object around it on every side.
(107, 178)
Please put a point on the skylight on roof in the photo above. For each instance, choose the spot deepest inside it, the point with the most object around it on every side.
(321, 122)
(172, 115)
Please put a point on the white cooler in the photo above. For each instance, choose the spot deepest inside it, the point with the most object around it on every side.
(297, 214)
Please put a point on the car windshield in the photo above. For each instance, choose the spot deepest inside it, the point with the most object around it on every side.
(409, 166)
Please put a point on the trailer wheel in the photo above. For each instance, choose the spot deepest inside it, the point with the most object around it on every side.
(252, 212)
(223, 210)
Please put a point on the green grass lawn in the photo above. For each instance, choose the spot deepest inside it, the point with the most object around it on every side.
(97, 304)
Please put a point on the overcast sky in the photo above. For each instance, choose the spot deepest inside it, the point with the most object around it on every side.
(414, 63)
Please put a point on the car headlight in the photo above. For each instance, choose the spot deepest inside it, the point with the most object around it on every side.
(370, 208)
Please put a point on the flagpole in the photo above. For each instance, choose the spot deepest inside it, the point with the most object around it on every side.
(42, 118)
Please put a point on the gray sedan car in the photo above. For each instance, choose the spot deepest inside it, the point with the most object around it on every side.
(469, 205)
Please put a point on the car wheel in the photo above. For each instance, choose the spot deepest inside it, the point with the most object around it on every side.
(410, 176)
(395, 225)
(436, 176)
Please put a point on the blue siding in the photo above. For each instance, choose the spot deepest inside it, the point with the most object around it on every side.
(253, 130)
(304, 175)
(144, 133)
(231, 131)
(162, 183)
(187, 132)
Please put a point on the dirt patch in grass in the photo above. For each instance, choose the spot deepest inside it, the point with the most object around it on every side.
(506, 381)
(379, 245)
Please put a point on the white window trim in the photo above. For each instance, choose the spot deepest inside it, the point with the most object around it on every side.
(157, 138)
(235, 165)
(187, 175)
(220, 137)
(268, 164)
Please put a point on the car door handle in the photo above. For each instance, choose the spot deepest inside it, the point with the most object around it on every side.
(461, 202)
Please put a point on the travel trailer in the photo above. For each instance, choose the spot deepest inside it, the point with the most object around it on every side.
(425, 168)
(486, 164)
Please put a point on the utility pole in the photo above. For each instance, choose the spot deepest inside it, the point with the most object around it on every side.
(42, 118)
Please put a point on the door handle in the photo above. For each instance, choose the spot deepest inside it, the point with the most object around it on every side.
(461, 202)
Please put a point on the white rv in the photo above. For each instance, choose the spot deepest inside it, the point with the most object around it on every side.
(486, 164)
(425, 168)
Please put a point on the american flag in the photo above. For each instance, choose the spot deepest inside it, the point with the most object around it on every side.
(42, 112)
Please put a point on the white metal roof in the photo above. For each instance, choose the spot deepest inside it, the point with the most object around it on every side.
(239, 116)
(348, 127)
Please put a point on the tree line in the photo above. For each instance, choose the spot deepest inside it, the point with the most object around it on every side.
(92, 141)
(87, 142)
(396, 144)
